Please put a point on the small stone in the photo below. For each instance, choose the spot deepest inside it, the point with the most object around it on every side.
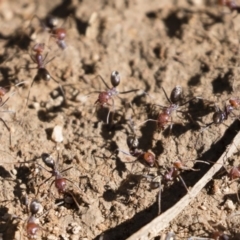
(57, 135)
(229, 205)
(76, 229)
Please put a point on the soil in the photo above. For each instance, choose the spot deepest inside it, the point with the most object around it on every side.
(153, 45)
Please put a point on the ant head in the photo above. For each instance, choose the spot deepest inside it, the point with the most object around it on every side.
(132, 142)
(43, 73)
(149, 157)
(115, 78)
(51, 22)
(48, 160)
(34, 207)
(176, 94)
(60, 33)
(234, 102)
(39, 47)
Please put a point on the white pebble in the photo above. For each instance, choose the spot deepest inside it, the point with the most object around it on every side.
(229, 205)
(57, 135)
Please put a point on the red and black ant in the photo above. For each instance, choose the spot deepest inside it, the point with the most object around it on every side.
(165, 116)
(32, 225)
(58, 33)
(147, 158)
(220, 116)
(105, 96)
(60, 182)
(168, 176)
(42, 72)
(231, 4)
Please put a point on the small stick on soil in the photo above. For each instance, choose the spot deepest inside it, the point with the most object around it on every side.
(153, 228)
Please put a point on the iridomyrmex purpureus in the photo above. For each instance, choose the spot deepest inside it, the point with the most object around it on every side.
(170, 175)
(165, 116)
(105, 96)
(42, 72)
(60, 182)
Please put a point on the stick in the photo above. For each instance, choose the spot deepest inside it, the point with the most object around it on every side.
(153, 228)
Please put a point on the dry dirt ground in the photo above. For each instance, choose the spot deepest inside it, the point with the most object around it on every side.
(153, 44)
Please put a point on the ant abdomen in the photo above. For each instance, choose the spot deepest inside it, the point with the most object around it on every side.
(51, 22)
(176, 94)
(48, 160)
(132, 142)
(115, 78)
(219, 117)
(43, 73)
(34, 207)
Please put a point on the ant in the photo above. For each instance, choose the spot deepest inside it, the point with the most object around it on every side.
(165, 116)
(59, 181)
(58, 33)
(105, 96)
(169, 176)
(231, 4)
(220, 115)
(32, 225)
(42, 72)
(147, 158)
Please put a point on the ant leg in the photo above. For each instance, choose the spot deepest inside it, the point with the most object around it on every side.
(159, 198)
(166, 95)
(201, 131)
(29, 93)
(190, 101)
(113, 106)
(184, 184)
(9, 130)
(148, 120)
(160, 106)
(129, 91)
(44, 183)
(59, 85)
(48, 60)
(74, 199)
(33, 59)
(99, 76)
(66, 169)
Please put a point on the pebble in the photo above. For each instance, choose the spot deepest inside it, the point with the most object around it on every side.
(229, 205)
(57, 135)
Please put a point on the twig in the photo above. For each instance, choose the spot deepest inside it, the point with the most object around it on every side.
(153, 228)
